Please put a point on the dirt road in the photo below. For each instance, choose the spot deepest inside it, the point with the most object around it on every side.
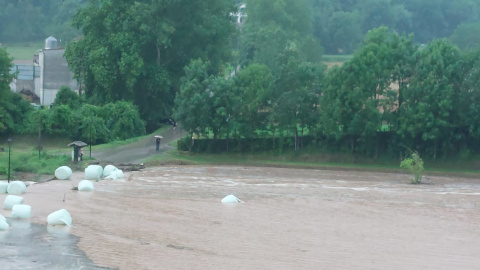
(137, 151)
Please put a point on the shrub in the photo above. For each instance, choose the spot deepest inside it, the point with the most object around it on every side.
(415, 165)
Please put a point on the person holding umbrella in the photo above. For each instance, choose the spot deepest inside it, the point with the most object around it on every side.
(157, 142)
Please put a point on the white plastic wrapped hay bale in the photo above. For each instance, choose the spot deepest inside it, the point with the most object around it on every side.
(63, 173)
(108, 169)
(2, 218)
(4, 226)
(3, 187)
(12, 200)
(118, 174)
(85, 185)
(112, 176)
(230, 199)
(16, 187)
(93, 172)
(21, 211)
(60, 217)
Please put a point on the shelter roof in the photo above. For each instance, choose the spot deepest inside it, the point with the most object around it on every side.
(78, 143)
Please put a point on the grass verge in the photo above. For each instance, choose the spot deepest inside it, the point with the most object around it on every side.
(289, 160)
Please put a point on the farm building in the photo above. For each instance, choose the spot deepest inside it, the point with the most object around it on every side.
(41, 79)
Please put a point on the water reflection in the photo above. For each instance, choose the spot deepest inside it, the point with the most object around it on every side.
(32, 246)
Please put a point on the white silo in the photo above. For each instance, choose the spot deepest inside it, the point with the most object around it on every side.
(50, 43)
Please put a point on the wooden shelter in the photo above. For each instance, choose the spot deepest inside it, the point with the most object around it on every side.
(77, 146)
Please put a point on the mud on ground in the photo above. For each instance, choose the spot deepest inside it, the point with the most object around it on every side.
(172, 218)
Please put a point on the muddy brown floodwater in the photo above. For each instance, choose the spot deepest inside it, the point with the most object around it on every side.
(172, 218)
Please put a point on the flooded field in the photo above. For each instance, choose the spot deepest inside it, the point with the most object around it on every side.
(172, 218)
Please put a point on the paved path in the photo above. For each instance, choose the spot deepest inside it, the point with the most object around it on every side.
(136, 152)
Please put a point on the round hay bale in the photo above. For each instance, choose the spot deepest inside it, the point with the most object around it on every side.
(108, 169)
(16, 187)
(12, 200)
(230, 199)
(21, 211)
(4, 226)
(3, 187)
(63, 173)
(93, 172)
(85, 185)
(60, 217)
(118, 174)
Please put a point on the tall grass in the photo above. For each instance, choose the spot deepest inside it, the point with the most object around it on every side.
(29, 162)
(24, 156)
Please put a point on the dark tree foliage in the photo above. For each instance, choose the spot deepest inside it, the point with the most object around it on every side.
(66, 96)
(136, 50)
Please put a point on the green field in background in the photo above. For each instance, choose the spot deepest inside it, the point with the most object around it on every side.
(24, 51)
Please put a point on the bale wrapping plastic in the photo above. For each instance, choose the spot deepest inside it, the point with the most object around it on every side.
(4, 226)
(60, 217)
(118, 174)
(2, 218)
(3, 187)
(112, 176)
(108, 169)
(12, 200)
(63, 173)
(21, 211)
(16, 187)
(85, 185)
(230, 199)
(93, 172)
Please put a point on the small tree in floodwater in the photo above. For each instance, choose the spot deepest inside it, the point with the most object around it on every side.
(415, 165)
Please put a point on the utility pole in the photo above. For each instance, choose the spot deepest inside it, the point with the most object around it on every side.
(39, 134)
(9, 147)
(90, 136)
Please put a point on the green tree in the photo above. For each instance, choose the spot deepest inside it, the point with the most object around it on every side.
(297, 91)
(428, 110)
(225, 102)
(359, 96)
(345, 33)
(469, 105)
(465, 36)
(192, 107)
(255, 86)
(9, 113)
(136, 50)
(122, 120)
(66, 96)
(92, 128)
(272, 26)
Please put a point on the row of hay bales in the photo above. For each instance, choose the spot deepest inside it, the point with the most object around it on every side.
(92, 173)
(16, 204)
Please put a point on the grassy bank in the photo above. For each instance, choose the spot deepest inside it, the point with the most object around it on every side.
(55, 153)
(311, 161)
(27, 163)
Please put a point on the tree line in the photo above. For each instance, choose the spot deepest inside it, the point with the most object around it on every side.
(393, 95)
(33, 21)
(266, 78)
(339, 25)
